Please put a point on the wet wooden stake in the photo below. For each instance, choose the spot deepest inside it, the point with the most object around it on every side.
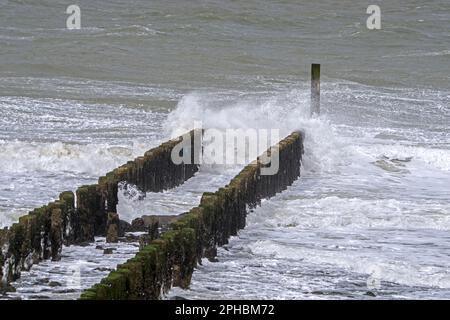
(315, 89)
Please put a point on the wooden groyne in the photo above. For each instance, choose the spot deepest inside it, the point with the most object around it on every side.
(91, 211)
(170, 259)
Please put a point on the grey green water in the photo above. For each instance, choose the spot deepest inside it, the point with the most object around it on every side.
(372, 209)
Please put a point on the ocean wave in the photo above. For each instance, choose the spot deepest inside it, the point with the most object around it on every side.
(419, 155)
(360, 261)
(286, 111)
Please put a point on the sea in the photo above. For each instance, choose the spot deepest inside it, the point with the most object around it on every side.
(369, 217)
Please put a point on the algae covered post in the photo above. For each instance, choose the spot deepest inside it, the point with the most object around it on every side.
(315, 89)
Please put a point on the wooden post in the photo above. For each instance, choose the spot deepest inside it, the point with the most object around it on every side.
(315, 89)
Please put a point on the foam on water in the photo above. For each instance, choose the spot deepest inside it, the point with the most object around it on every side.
(80, 268)
(134, 203)
(87, 159)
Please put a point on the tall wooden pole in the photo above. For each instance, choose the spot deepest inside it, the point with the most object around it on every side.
(315, 89)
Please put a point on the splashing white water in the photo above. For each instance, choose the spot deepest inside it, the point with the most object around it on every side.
(90, 159)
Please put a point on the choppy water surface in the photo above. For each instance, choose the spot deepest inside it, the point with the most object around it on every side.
(370, 215)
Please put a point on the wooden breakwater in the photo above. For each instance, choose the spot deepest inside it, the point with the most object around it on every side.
(77, 218)
(170, 260)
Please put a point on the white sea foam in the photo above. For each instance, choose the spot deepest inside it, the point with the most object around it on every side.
(134, 203)
(432, 157)
(91, 159)
(363, 202)
(361, 261)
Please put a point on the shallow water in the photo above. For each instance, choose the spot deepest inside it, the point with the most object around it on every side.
(371, 211)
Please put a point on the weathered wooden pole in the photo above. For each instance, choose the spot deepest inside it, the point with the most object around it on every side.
(315, 89)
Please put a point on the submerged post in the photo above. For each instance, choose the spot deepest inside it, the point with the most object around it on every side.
(315, 89)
